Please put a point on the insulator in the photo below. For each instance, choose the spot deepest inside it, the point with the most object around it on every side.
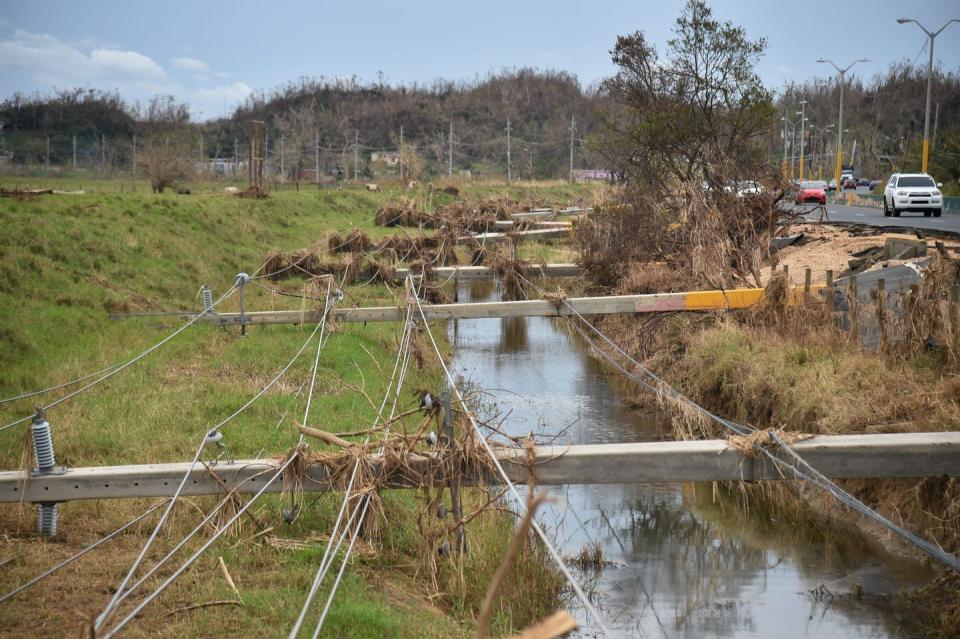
(441, 510)
(241, 280)
(47, 520)
(207, 299)
(444, 549)
(42, 444)
(432, 438)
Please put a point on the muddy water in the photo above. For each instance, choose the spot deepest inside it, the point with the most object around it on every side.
(681, 564)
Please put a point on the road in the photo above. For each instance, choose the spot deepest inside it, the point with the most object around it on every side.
(874, 217)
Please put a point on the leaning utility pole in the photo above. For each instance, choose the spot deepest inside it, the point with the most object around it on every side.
(573, 128)
(509, 170)
(356, 153)
(450, 151)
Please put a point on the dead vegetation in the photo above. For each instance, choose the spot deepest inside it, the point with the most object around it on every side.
(705, 237)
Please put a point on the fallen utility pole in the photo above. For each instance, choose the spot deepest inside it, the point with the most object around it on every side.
(442, 273)
(536, 234)
(837, 457)
(609, 305)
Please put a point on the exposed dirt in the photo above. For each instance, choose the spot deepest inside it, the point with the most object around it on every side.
(826, 248)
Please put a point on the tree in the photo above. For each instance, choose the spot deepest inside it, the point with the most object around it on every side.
(700, 113)
(166, 154)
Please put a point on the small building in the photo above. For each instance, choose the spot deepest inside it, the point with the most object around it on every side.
(389, 158)
(591, 175)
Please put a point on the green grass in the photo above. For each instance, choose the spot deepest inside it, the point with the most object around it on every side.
(65, 262)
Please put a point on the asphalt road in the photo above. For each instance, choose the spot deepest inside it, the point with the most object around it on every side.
(875, 217)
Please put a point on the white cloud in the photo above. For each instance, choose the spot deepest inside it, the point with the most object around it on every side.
(45, 59)
(213, 100)
(190, 64)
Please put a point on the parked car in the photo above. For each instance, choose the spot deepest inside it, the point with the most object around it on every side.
(748, 187)
(914, 192)
(850, 184)
(874, 184)
(814, 191)
(863, 182)
(832, 185)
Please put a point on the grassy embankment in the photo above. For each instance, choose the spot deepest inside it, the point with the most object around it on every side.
(65, 261)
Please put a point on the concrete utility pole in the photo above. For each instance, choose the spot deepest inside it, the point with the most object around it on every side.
(450, 151)
(803, 121)
(46, 160)
(401, 153)
(103, 152)
(316, 156)
(266, 150)
(283, 174)
(786, 115)
(509, 169)
(75, 151)
(356, 154)
(926, 117)
(236, 156)
(134, 153)
(843, 73)
(573, 129)
(936, 124)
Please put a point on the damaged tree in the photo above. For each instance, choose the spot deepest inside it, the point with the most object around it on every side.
(689, 135)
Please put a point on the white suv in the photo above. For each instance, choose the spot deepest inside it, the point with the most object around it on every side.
(912, 192)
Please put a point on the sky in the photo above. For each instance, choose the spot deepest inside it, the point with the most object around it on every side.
(213, 54)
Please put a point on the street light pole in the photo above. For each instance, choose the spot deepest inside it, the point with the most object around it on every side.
(803, 120)
(842, 72)
(926, 117)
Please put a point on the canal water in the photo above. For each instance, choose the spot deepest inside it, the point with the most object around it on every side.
(678, 563)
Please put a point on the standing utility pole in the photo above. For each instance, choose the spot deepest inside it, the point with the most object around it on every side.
(316, 156)
(236, 156)
(46, 160)
(926, 117)
(450, 151)
(356, 151)
(400, 153)
(803, 121)
(75, 151)
(784, 118)
(842, 73)
(283, 175)
(134, 153)
(573, 128)
(509, 169)
(103, 152)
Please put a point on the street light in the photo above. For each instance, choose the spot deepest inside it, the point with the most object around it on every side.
(803, 119)
(926, 117)
(842, 73)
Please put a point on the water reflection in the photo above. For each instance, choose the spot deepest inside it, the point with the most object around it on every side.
(685, 564)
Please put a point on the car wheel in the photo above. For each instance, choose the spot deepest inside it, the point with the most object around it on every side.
(895, 212)
(937, 213)
(886, 211)
(926, 213)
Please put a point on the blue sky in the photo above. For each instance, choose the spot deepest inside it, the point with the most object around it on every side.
(213, 53)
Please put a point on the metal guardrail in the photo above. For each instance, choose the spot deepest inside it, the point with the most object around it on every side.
(951, 205)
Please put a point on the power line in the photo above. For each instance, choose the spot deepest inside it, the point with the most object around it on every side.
(111, 606)
(79, 554)
(124, 365)
(513, 489)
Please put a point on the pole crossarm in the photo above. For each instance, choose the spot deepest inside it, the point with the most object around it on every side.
(897, 455)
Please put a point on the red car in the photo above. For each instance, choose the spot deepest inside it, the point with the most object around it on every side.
(814, 191)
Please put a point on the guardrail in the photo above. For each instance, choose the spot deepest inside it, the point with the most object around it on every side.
(951, 205)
